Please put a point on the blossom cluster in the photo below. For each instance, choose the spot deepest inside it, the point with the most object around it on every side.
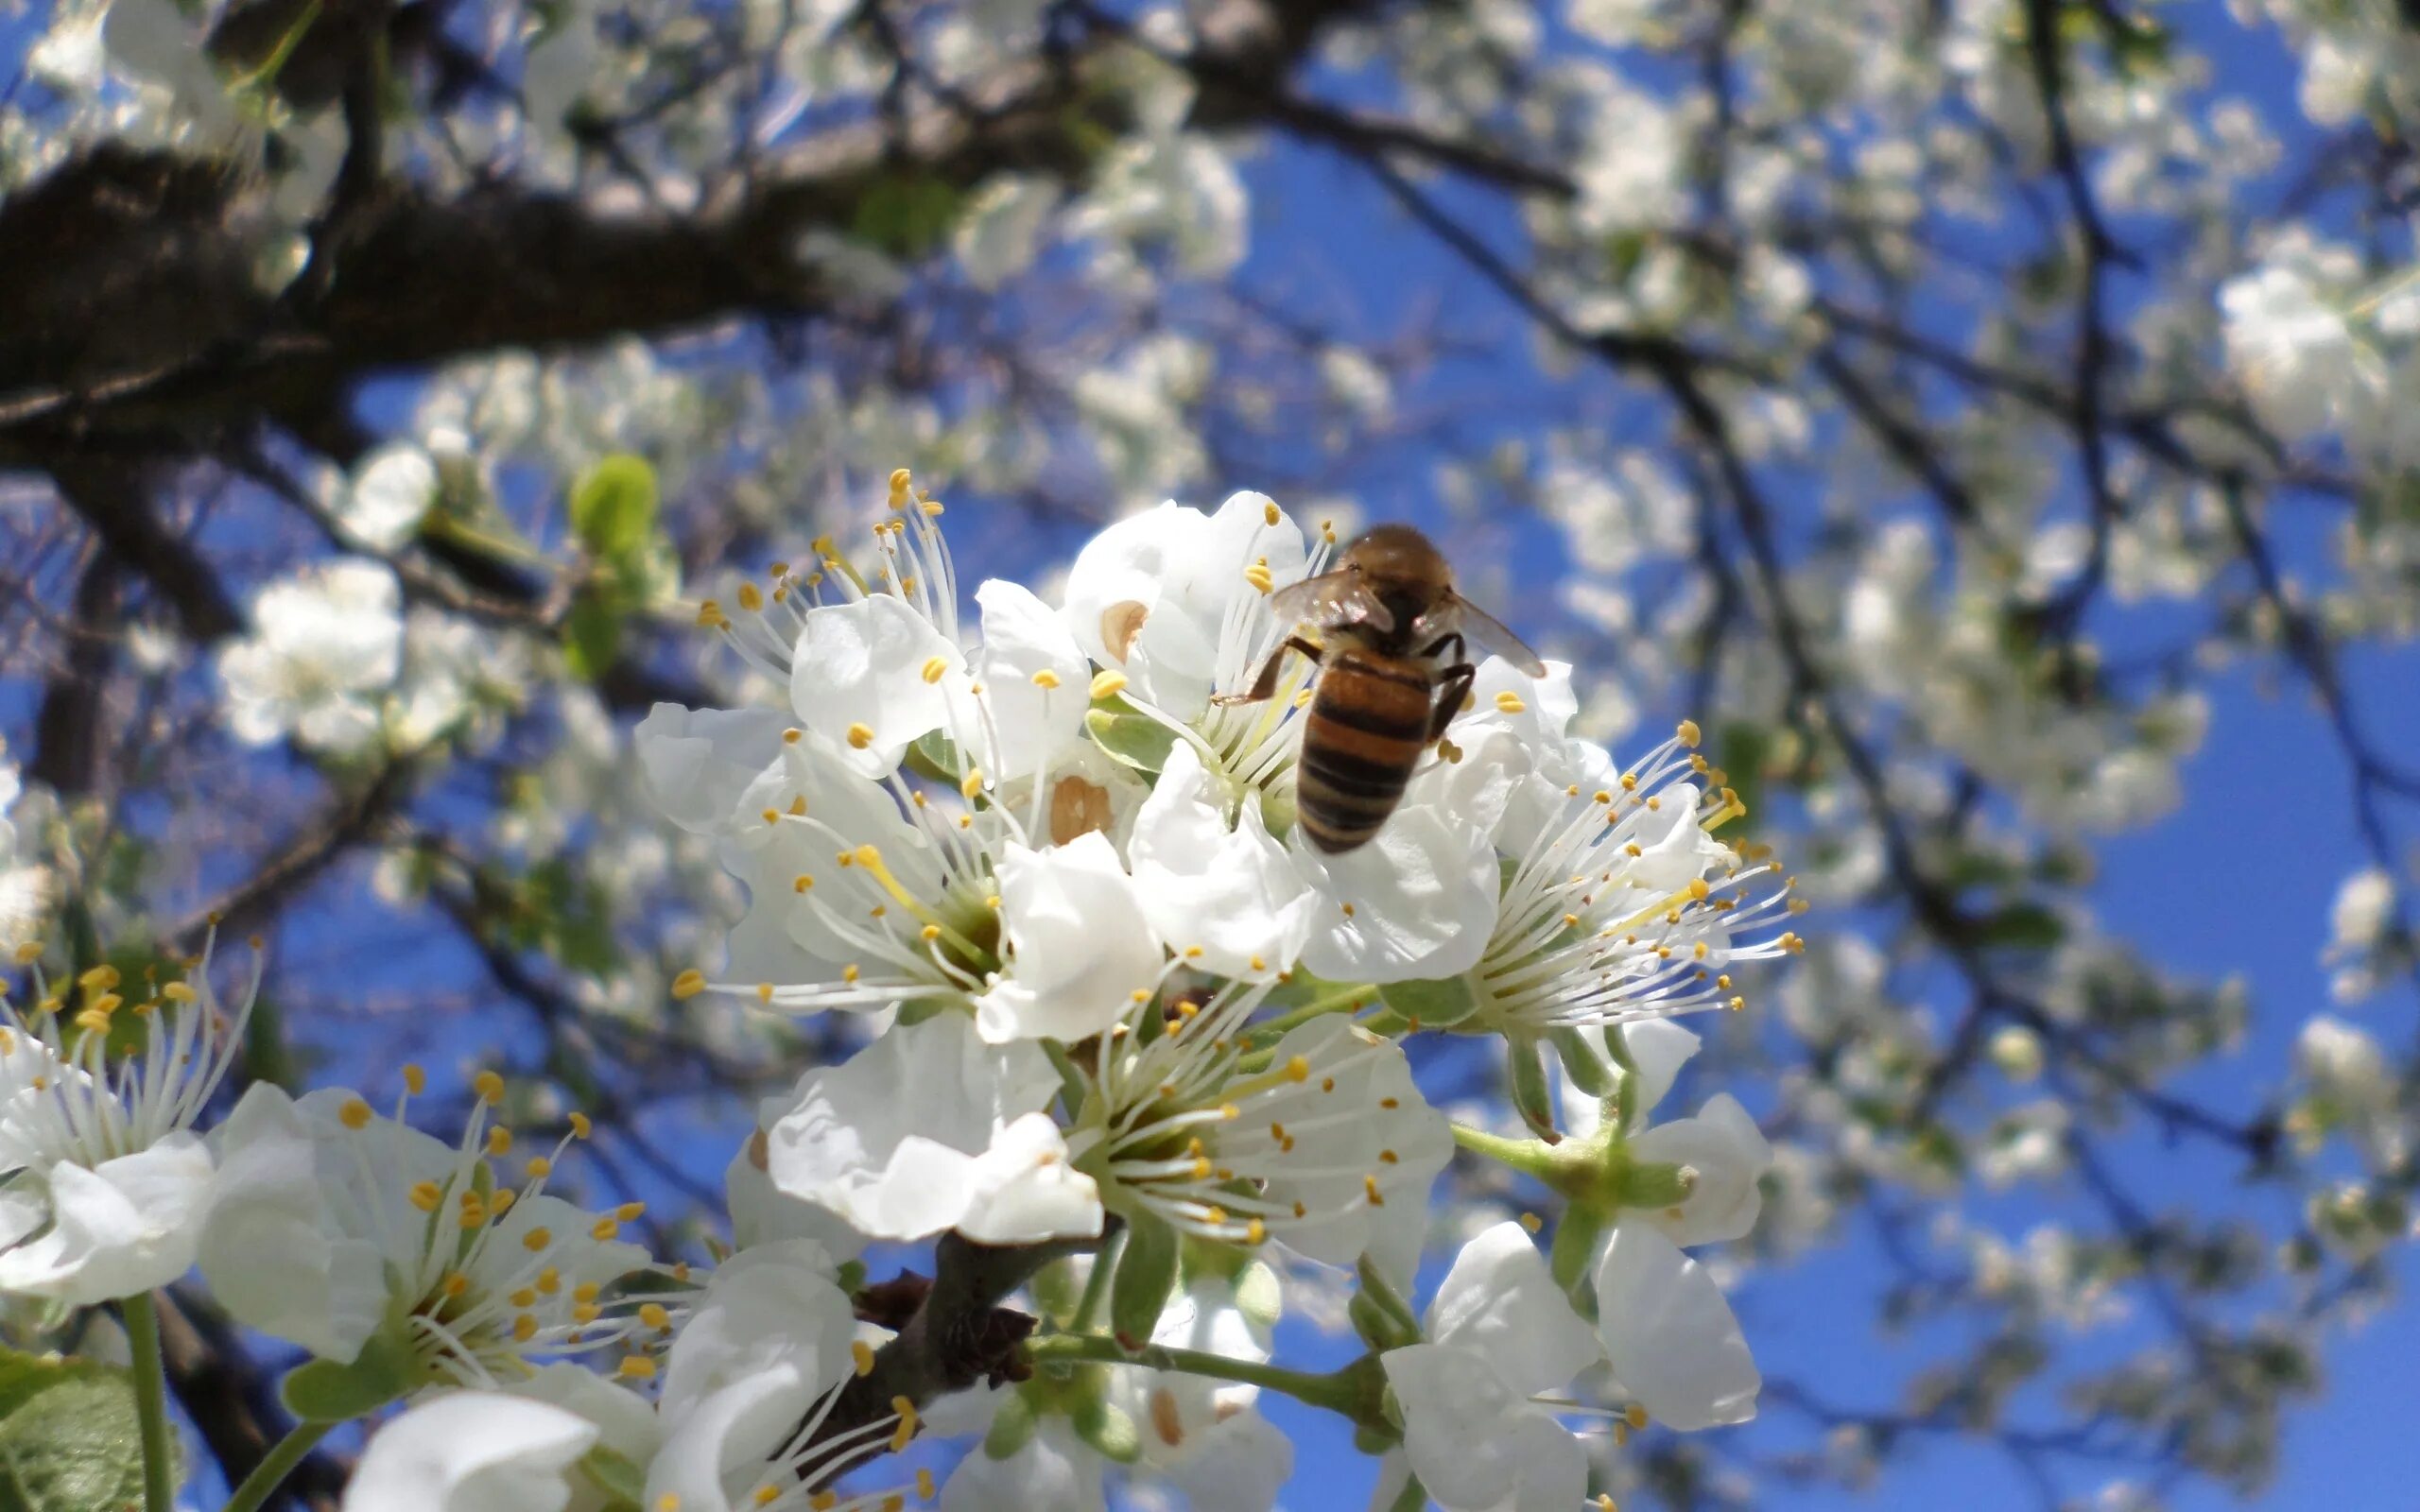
(1115, 1013)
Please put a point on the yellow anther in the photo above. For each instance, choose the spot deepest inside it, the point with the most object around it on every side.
(541, 1168)
(550, 1280)
(177, 992)
(455, 1283)
(1259, 576)
(1688, 732)
(499, 1140)
(1370, 1189)
(1636, 1417)
(98, 978)
(1698, 889)
(900, 478)
(1509, 703)
(584, 1314)
(861, 736)
(710, 615)
(30, 952)
(1044, 679)
(524, 1328)
(906, 1429)
(1532, 1222)
(934, 668)
(850, 973)
(489, 1086)
(415, 1080)
(861, 1357)
(630, 1211)
(654, 1316)
(767, 1495)
(750, 598)
(1107, 683)
(580, 1127)
(604, 1231)
(427, 1195)
(764, 991)
(635, 1367)
(473, 1212)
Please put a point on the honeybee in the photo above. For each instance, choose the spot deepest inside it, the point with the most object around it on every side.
(1393, 671)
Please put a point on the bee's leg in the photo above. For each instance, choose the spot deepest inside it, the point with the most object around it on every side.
(1453, 686)
(1266, 683)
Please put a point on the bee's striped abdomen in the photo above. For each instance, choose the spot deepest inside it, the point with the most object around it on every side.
(1368, 724)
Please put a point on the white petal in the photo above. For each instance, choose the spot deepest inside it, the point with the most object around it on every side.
(1081, 943)
(471, 1452)
(1242, 1464)
(1023, 1191)
(626, 1421)
(697, 761)
(862, 665)
(1499, 1301)
(715, 1458)
(1671, 1334)
(1053, 1470)
(271, 1256)
(762, 1214)
(1730, 1155)
(391, 490)
(1026, 724)
(127, 1226)
(1236, 893)
(889, 1139)
(1477, 1444)
(1658, 1049)
(772, 1307)
(1422, 895)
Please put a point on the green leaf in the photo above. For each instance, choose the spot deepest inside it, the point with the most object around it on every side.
(323, 1391)
(613, 506)
(71, 1439)
(906, 214)
(2021, 927)
(1136, 740)
(1145, 1275)
(1431, 1004)
(592, 635)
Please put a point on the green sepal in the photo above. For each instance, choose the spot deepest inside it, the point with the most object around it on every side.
(1073, 1085)
(1382, 1318)
(1012, 1424)
(1437, 1005)
(1108, 1430)
(323, 1391)
(621, 1478)
(1582, 1064)
(1133, 739)
(1577, 1235)
(1369, 1440)
(1414, 1498)
(1258, 1297)
(1056, 1292)
(1532, 1098)
(1646, 1184)
(1145, 1275)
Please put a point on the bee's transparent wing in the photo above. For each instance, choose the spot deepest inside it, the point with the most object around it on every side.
(1332, 598)
(1488, 632)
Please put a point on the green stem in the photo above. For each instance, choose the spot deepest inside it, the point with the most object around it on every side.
(276, 1466)
(142, 1319)
(1521, 1155)
(1341, 1391)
